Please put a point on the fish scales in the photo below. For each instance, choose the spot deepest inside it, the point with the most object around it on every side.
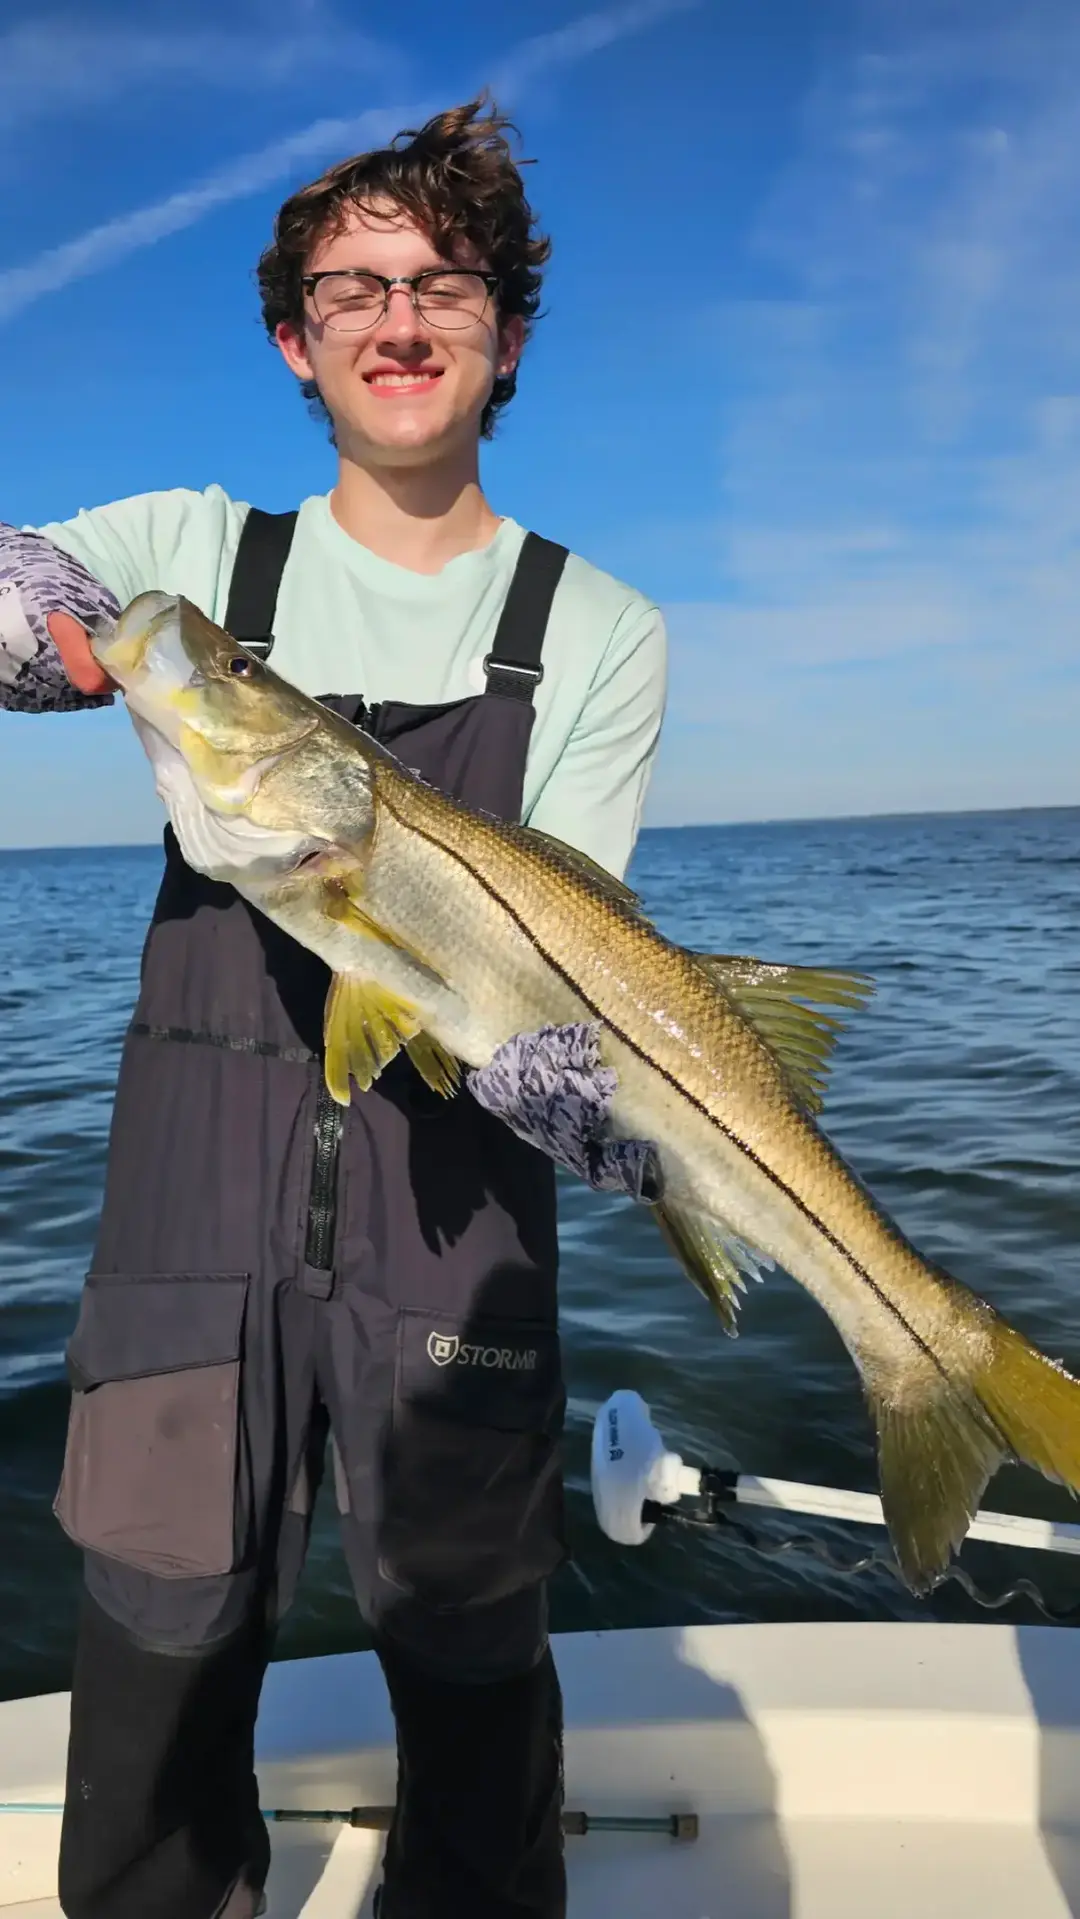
(447, 932)
(615, 967)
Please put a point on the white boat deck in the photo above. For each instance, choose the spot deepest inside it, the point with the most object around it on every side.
(875, 1770)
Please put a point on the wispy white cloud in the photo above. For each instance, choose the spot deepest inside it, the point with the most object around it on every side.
(566, 46)
(906, 448)
(104, 246)
(897, 526)
(63, 64)
(114, 240)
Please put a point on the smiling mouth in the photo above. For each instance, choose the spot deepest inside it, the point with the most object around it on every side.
(400, 382)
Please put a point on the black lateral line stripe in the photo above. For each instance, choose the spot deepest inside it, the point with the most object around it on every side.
(684, 1093)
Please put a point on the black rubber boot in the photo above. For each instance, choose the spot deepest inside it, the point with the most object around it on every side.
(162, 1812)
(477, 1833)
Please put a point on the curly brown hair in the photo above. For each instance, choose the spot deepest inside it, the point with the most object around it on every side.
(457, 179)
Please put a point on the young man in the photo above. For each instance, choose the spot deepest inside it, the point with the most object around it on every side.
(265, 1275)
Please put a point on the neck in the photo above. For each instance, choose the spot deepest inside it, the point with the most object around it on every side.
(417, 517)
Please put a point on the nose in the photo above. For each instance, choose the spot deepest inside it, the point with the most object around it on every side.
(401, 325)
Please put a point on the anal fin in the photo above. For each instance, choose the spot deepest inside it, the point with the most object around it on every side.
(715, 1259)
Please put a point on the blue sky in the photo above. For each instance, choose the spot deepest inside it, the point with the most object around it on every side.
(836, 433)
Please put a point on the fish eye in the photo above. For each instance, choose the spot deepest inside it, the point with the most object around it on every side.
(243, 666)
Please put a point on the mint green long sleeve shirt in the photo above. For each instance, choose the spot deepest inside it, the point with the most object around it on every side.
(350, 622)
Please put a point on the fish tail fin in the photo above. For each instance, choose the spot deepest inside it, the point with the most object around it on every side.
(935, 1460)
(938, 1450)
(1035, 1405)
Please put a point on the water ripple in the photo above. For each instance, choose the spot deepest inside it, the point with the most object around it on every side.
(956, 1095)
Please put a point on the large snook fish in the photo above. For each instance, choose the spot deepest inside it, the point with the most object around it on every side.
(447, 932)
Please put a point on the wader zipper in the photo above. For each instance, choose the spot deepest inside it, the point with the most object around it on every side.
(322, 1195)
(329, 1123)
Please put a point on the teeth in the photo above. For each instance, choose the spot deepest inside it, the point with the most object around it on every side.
(399, 379)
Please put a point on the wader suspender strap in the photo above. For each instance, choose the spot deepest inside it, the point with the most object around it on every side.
(265, 540)
(513, 666)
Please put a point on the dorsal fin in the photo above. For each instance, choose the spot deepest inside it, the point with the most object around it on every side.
(587, 869)
(768, 996)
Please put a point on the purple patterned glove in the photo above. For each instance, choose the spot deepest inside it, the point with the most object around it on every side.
(551, 1090)
(36, 579)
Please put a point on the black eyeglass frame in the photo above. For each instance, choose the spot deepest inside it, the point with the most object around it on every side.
(309, 282)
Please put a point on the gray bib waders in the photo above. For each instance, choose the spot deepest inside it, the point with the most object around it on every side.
(270, 1271)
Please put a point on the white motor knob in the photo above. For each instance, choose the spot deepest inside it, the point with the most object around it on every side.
(631, 1464)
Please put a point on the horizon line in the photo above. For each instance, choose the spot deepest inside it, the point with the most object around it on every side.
(682, 826)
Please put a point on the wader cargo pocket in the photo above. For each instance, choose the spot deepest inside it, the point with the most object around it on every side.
(150, 1467)
(472, 1482)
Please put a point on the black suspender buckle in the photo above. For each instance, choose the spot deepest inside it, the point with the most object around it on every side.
(513, 665)
(265, 539)
(514, 677)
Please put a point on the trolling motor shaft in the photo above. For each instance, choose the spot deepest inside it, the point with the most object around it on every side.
(638, 1483)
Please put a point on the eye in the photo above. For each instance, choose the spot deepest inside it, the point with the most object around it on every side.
(243, 666)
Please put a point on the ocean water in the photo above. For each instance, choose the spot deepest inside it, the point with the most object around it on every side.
(956, 1096)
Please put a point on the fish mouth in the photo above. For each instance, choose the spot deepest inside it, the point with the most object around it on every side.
(123, 648)
(145, 655)
(167, 677)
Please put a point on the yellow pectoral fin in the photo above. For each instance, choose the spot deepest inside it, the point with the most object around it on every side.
(342, 905)
(364, 1027)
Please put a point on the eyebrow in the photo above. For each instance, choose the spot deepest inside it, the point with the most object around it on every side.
(432, 266)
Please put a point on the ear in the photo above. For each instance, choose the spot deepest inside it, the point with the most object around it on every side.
(292, 345)
(511, 343)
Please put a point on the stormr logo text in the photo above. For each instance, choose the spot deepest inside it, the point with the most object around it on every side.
(446, 1349)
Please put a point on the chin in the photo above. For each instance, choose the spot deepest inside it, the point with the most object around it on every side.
(407, 450)
(413, 439)
(418, 432)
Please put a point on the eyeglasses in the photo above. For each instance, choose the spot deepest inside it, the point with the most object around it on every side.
(349, 299)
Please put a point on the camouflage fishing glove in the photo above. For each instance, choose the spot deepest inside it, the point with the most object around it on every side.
(36, 579)
(551, 1090)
